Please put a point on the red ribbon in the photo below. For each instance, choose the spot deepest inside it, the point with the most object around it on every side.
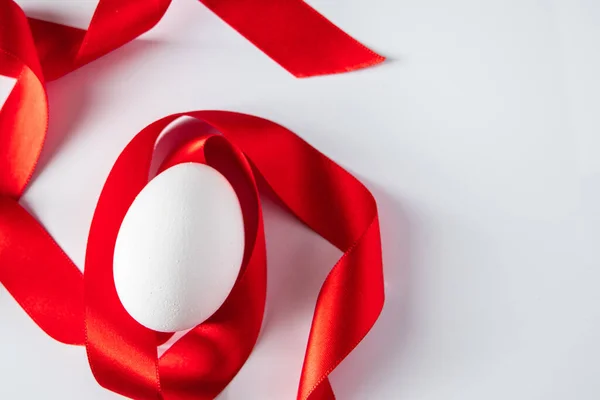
(84, 309)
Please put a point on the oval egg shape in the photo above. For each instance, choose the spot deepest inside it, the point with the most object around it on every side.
(180, 248)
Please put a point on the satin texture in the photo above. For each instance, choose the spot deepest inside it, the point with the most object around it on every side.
(317, 191)
(83, 309)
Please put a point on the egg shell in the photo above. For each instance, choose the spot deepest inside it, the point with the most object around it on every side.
(179, 249)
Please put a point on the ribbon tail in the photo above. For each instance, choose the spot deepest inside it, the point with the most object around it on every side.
(295, 36)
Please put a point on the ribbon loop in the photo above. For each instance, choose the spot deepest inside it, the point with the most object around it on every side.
(316, 190)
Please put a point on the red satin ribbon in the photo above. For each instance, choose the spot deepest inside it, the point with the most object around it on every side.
(289, 31)
(84, 309)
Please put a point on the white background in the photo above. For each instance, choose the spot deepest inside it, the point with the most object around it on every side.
(479, 139)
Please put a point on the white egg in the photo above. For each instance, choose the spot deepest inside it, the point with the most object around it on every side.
(179, 249)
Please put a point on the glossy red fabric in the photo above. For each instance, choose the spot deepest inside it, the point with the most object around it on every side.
(295, 36)
(84, 309)
(291, 32)
(317, 191)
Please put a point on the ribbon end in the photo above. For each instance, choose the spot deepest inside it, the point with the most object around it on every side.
(374, 61)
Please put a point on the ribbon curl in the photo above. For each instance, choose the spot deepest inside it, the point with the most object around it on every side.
(83, 309)
(313, 188)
